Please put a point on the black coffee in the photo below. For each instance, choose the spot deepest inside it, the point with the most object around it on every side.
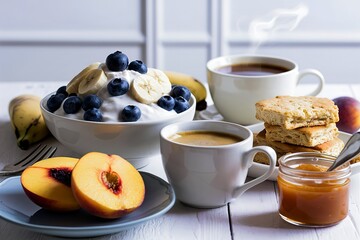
(253, 69)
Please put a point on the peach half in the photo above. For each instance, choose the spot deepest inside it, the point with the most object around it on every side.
(47, 184)
(107, 186)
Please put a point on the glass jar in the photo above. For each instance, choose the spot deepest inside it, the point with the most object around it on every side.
(310, 196)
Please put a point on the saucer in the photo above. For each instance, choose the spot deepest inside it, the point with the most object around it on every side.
(211, 113)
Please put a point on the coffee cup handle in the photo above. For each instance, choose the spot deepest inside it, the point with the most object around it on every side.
(319, 76)
(249, 156)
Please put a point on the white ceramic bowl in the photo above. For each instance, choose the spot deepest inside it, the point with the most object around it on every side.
(137, 142)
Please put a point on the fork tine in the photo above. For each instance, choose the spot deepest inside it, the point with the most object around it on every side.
(27, 156)
(33, 155)
(44, 153)
(50, 153)
(41, 152)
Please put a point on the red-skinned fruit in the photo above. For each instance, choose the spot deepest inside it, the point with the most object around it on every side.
(349, 114)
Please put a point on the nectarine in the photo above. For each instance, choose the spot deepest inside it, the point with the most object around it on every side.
(107, 186)
(47, 183)
(349, 114)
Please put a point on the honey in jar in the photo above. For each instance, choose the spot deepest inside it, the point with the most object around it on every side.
(308, 194)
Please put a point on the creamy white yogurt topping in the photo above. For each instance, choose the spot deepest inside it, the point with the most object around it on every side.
(113, 105)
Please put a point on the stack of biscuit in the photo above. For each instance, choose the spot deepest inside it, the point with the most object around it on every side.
(298, 124)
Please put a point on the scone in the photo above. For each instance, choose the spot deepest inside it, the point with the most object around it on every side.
(292, 112)
(304, 136)
(332, 147)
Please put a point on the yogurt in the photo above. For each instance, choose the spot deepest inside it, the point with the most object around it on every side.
(113, 105)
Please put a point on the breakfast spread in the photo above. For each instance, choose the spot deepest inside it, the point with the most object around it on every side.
(298, 124)
(119, 91)
(107, 186)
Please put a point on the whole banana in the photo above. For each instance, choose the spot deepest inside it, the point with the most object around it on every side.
(27, 120)
(195, 86)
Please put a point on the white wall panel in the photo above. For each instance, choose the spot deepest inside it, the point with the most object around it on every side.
(185, 16)
(55, 39)
(80, 15)
(53, 63)
(179, 35)
(185, 35)
(186, 58)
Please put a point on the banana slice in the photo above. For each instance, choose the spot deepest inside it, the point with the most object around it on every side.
(161, 78)
(92, 82)
(146, 89)
(73, 85)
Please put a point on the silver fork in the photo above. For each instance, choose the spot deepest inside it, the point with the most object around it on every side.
(39, 153)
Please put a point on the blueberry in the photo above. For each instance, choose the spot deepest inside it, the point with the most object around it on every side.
(201, 105)
(138, 66)
(182, 91)
(62, 90)
(117, 61)
(166, 102)
(54, 102)
(130, 113)
(93, 115)
(118, 86)
(72, 104)
(181, 104)
(91, 101)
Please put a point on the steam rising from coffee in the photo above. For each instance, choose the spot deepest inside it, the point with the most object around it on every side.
(261, 29)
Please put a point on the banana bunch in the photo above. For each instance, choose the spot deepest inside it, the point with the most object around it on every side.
(194, 85)
(27, 120)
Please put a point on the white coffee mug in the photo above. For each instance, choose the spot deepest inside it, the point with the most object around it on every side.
(235, 95)
(210, 176)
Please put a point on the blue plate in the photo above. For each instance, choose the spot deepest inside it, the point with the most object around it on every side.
(17, 208)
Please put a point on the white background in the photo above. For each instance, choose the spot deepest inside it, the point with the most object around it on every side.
(43, 40)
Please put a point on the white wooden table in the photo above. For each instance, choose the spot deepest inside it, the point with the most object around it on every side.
(253, 216)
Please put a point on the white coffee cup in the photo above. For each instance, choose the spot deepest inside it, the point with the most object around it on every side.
(210, 176)
(235, 95)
